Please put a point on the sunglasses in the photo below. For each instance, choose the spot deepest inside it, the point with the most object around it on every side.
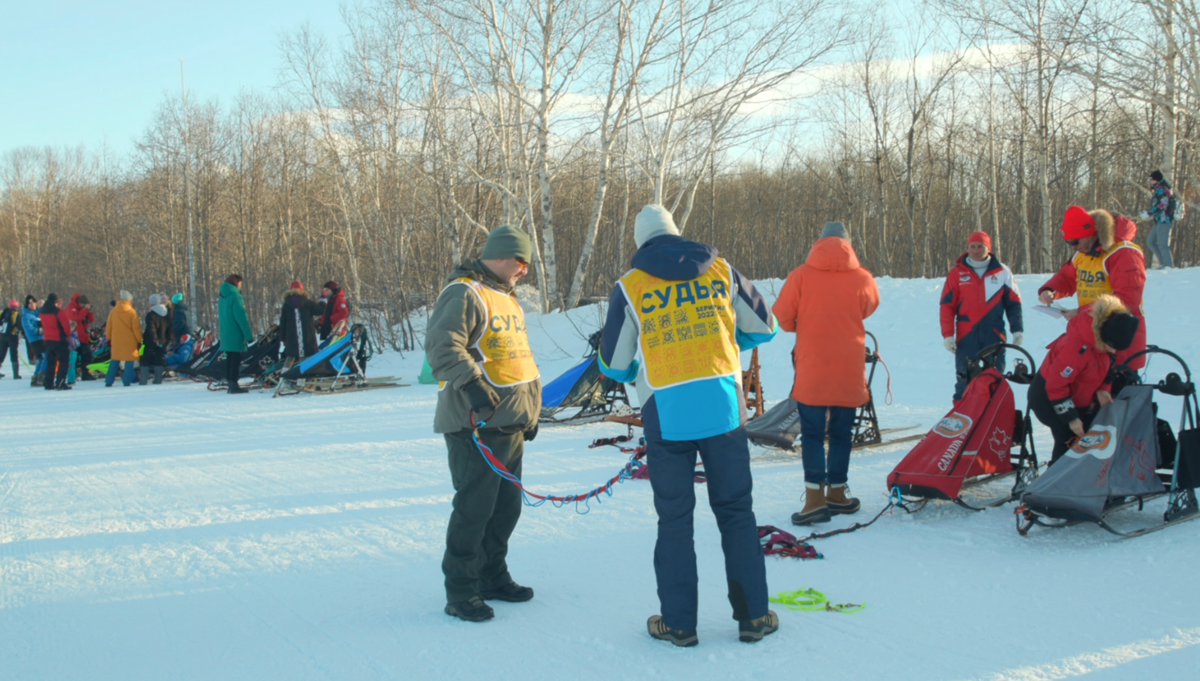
(521, 261)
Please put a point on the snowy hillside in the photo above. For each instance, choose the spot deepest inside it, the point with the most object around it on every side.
(170, 532)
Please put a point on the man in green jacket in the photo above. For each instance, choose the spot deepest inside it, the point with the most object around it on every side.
(235, 330)
(479, 352)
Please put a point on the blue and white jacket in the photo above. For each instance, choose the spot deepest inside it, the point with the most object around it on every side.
(698, 409)
(31, 322)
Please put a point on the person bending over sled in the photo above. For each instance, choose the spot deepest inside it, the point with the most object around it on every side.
(1074, 380)
(979, 292)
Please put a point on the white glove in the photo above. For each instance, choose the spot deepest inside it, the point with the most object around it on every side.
(1018, 338)
(1144, 215)
(948, 341)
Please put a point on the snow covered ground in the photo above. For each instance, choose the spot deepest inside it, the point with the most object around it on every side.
(173, 533)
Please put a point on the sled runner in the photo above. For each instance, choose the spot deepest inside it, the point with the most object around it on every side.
(339, 367)
(779, 427)
(583, 394)
(1126, 457)
(974, 443)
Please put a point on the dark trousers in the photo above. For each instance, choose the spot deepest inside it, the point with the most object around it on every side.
(486, 511)
(233, 368)
(35, 350)
(1039, 402)
(815, 424)
(672, 476)
(83, 359)
(10, 346)
(968, 348)
(58, 361)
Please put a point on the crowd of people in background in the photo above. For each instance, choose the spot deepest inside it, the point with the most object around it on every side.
(60, 340)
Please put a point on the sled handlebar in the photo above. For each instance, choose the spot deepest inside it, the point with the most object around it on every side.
(1018, 374)
(1172, 384)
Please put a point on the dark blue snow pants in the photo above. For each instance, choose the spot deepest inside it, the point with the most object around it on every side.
(968, 347)
(727, 467)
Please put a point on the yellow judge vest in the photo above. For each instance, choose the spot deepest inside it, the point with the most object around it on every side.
(687, 327)
(1091, 273)
(504, 347)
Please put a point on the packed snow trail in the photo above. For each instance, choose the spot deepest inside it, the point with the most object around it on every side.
(171, 532)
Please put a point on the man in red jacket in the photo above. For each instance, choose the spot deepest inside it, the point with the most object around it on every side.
(1106, 261)
(56, 324)
(1073, 381)
(333, 320)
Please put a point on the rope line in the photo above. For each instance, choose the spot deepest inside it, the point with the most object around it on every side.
(558, 501)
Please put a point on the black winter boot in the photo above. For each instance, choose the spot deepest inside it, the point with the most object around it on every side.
(511, 592)
(471, 610)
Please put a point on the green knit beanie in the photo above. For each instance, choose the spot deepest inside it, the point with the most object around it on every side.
(507, 242)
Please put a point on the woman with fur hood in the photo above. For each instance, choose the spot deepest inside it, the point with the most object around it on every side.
(1106, 262)
(157, 338)
(1074, 380)
(296, 323)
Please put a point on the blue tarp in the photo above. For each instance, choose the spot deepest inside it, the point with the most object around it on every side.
(554, 392)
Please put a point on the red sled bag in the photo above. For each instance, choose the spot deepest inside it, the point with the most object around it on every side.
(971, 444)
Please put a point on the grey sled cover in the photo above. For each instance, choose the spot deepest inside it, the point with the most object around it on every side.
(1116, 458)
(779, 425)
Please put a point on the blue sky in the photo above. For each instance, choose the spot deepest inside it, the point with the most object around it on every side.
(94, 72)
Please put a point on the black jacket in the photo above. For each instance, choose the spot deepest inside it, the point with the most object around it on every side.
(180, 320)
(157, 337)
(296, 323)
(10, 322)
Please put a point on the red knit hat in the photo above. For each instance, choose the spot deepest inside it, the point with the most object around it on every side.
(1078, 224)
(14, 304)
(980, 237)
(296, 284)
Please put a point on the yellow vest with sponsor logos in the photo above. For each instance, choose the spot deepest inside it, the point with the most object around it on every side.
(687, 327)
(504, 347)
(1091, 273)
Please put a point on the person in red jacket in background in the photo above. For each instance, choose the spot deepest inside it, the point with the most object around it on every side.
(824, 302)
(80, 312)
(56, 325)
(979, 292)
(333, 321)
(1106, 261)
(1074, 380)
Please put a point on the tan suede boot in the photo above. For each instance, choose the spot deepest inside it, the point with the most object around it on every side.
(839, 501)
(815, 510)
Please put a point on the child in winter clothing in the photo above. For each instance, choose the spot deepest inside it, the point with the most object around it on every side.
(979, 292)
(10, 336)
(1074, 380)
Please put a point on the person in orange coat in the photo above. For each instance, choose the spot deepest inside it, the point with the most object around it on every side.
(825, 301)
(124, 332)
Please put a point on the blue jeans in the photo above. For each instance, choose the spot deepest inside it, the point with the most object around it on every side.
(672, 476)
(812, 443)
(1159, 241)
(126, 378)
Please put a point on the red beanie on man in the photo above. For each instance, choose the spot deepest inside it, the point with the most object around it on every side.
(980, 238)
(1078, 224)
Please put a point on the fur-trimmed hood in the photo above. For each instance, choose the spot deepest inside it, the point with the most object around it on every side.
(294, 292)
(1102, 309)
(1110, 229)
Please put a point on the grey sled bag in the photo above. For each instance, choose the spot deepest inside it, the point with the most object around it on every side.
(1116, 458)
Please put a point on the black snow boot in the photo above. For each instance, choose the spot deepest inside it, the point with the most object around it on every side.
(511, 592)
(237, 390)
(471, 610)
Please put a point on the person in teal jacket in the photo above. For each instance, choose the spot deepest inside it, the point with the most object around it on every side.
(235, 329)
